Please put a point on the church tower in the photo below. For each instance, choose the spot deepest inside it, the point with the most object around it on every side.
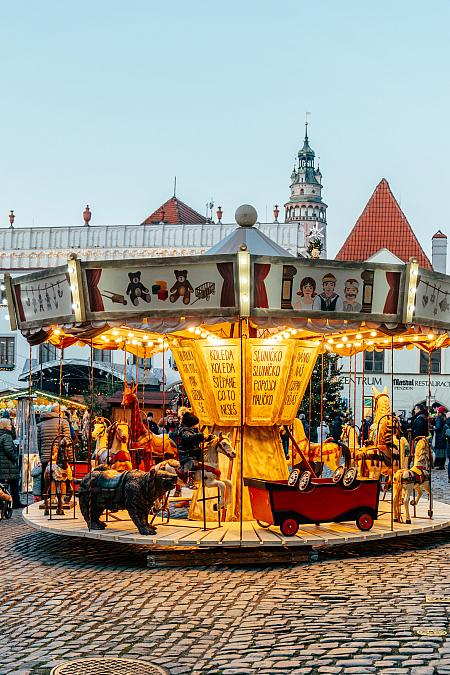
(305, 206)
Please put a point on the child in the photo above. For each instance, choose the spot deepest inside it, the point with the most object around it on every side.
(190, 438)
(36, 474)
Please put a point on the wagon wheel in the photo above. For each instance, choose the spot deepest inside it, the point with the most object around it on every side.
(289, 527)
(305, 481)
(350, 477)
(293, 477)
(364, 521)
(263, 524)
(338, 474)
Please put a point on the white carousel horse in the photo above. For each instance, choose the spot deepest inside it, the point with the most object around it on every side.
(100, 435)
(211, 449)
(417, 478)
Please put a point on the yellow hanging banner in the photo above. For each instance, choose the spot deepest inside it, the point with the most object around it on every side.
(268, 369)
(186, 357)
(302, 366)
(222, 362)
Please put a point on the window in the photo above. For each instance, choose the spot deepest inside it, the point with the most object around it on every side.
(47, 353)
(435, 362)
(7, 352)
(374, 362)
(102, 355)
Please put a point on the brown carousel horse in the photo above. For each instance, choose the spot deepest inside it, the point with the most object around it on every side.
(153, 446)
(57, 473)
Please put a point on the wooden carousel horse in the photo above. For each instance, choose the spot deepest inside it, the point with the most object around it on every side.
(100, 435)
(118, 441)
(209, 465)
(56, 475)
(416, 478)
(385, 444)
(153, 446)
(329, 452)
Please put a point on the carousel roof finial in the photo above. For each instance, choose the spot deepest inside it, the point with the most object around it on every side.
(246, 215)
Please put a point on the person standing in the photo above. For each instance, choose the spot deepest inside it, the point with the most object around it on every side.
(9, 462)
(48, 429)
(419, 422)
(152, 424)
(447, 442)
(323, 432)
(336, 428)
(439, 440)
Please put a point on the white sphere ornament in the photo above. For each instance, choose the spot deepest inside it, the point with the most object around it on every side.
(246, 215)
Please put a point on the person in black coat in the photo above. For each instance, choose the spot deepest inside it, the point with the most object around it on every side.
(189, 439)
(9, 462)
(336, 428)
(419, 422)
(439, 440)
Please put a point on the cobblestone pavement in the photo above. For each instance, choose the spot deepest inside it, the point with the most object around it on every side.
(355, 611)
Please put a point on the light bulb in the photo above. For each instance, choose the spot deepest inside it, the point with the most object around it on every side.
(344, 338)
(373, 333)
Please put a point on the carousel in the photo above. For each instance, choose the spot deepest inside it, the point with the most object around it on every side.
(246, 324)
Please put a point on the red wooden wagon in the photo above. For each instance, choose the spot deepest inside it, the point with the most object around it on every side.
(313, 500)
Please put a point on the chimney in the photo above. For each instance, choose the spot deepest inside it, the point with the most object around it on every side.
(439, 252)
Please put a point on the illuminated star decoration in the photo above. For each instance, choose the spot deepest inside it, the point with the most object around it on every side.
(316, 232)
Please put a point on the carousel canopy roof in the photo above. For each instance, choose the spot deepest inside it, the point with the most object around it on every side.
(256, 242)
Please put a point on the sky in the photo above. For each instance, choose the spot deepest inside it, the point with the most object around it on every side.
(105, 101)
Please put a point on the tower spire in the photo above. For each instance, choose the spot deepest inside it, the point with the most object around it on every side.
(306, 126)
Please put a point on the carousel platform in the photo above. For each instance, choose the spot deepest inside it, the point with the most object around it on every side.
(182, 533)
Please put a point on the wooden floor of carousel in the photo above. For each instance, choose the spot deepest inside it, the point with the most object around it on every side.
(183, 534)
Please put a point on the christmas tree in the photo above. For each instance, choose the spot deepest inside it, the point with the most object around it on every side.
(333, 404)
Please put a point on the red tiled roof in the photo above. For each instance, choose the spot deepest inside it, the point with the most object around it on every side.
(382, 224)
(175, 212)
(439, 235)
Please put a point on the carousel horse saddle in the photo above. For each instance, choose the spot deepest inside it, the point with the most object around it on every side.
(419, 473)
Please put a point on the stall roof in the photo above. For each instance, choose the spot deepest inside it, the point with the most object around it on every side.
(150, 398)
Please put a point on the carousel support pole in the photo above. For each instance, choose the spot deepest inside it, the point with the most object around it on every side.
(91, 409)
(430, 455)
(241, 462)
(203, 489)
(354, 399)
(392, 437)
(164, 412)
(363, 368)
(30, 383)
(61, 356)
(321, 409)
(310, 411)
